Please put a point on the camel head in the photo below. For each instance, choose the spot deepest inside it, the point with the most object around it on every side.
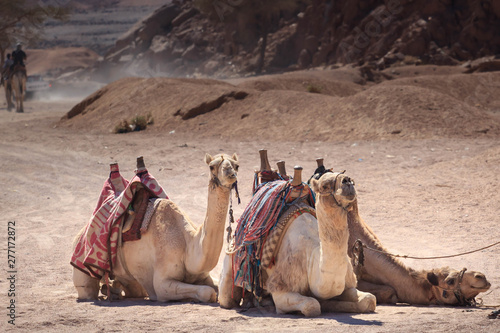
(223, 169)
(337, 188)
(454, 287)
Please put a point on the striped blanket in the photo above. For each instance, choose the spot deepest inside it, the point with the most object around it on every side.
(257, 220)
(95, 252)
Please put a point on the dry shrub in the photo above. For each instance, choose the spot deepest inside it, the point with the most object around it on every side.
(312, 88)
(122, 127)
(138, 123)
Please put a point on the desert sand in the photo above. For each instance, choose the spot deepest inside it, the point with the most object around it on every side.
(425, 192)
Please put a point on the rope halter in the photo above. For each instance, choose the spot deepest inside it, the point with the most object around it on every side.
(458, 291)
(214, 167)
(346, 180)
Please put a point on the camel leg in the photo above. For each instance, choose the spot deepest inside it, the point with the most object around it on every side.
(384, 294)
(351, 300)
(289, 302)
(228, 297)
(131, 289)
(86, 286)
(21, 108)
(173, 290)
(8, 96)
(209, 281)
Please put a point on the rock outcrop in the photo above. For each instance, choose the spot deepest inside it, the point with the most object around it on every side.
(178, 39)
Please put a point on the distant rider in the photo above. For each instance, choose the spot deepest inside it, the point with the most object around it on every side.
(18, 56)
(6, 67)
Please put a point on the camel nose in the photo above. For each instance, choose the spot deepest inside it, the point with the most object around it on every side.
(347, 181)
(230, 173)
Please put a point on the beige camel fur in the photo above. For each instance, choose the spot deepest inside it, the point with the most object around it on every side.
(392, 282)
(18, 84)
(312, 265)
(173, 259)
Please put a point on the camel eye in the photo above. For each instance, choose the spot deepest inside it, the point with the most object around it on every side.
(451, 282)
(212, 167)
(236, 167)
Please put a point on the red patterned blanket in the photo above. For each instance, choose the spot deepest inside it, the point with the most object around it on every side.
(95, 252)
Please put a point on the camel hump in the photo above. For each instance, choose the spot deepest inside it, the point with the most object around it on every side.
(168, 210)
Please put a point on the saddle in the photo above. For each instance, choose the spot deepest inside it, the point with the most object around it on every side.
(17, 68)
(139, 212)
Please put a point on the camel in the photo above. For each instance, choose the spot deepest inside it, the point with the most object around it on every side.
(18, 84)
(392, 282)
(173, 259)
(312, 270)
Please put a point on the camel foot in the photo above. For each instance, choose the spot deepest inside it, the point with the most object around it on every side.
(207, 295)
(367, 303)
(115, 293)
(287, 302)
(313, 309)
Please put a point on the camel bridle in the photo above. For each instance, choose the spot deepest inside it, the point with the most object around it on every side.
(332, 193)
(457, 291)
(215, 181)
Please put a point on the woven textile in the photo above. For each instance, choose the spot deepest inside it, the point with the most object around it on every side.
(273, 241)
(258, 218)
(95, 252)
(112, 187)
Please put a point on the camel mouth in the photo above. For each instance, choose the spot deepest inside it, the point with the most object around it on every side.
(483, 288)
(349, 193)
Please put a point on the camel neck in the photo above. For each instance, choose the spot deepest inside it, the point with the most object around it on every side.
(329, 271)
(385, 269)
(333, 230)
(210, 235)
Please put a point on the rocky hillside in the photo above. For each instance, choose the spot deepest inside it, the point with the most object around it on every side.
(178, 39)
(94, 24)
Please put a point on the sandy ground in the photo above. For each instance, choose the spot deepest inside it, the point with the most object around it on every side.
(422, 197)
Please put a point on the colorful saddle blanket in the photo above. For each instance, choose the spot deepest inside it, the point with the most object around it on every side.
(95, 252)
(260, 216)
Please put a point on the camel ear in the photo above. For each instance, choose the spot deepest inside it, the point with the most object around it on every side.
(208, 158)
(235, 157)
(433, 279)
(315, 185)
